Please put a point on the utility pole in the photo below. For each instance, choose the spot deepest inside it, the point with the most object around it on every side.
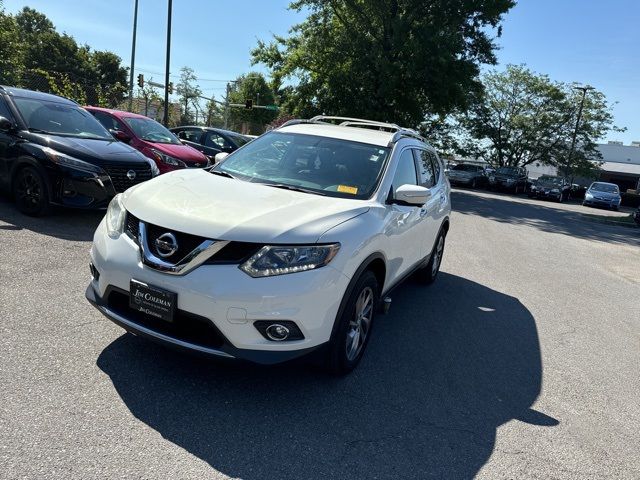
(165, 119)
(133, 54)
(584, 90)
(226, 106)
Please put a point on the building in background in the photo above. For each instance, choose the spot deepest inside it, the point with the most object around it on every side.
(621, 164)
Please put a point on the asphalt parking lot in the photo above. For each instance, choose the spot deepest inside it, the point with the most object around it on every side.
(521, 361)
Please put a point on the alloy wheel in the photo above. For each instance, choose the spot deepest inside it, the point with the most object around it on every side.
(438, 256)
(29, 190)
(360, 324)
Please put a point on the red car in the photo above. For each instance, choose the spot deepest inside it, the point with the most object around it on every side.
(151, 138)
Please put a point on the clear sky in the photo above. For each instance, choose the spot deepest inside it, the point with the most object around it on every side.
(587, 41)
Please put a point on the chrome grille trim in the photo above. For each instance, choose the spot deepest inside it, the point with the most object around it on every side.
(190, 262)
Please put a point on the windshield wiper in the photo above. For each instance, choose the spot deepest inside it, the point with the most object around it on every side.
(293, 189)
(38, 130)
(222, 174)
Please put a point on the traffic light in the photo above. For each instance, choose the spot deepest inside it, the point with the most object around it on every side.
(170, 88)
(248, 104)
(140, 80)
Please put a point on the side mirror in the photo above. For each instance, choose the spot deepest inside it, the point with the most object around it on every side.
(412, 195)
(5, 124)
(220, 156)
(120, 135)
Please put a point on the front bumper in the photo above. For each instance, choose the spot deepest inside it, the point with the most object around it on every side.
(596, 202)
(543, 194)
(223, 298)
(80, 189)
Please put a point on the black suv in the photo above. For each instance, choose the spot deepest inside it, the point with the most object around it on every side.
(54, 152)
(509, 178)
(547, 186)
(210, 141)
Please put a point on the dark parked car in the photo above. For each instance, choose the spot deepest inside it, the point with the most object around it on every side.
(54, 152)
(210, 141)
(509, 178)
(636, 216)
(470, 175)
(555, 188)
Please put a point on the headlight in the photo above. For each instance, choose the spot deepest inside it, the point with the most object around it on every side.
(555, 190)
(115, 217)
(277, 260)
(510, 180)
(588, 196)
(168, 159)
(492, 178)
(67, 161)
(155, 171)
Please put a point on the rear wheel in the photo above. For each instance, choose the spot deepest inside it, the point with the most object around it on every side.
(429, 272)
(354, 326)
(474, 183)
(31, 192)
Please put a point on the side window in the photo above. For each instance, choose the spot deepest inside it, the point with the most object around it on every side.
(4, 110)
(216, 141)
(406, 170)
(190, 135)
(436, 166)
(425, 167)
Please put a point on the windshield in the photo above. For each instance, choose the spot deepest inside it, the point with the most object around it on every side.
(604, 187)
(507, 171)
(465, 168)
(326, 166)
(150, 130)
(60, 119)
(240, 140)
(549, 180)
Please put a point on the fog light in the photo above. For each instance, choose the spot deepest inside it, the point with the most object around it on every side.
(277, 332)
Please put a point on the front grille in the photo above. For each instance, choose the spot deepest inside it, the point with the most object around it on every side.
(132, 226)
(187, 243)
(234, 253)
(121, 181)
(186, 326)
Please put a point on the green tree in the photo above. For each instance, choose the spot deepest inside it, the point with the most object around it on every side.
(252, 86)
(11, 50)
(188, 93)
(523, 117)
(393, 60)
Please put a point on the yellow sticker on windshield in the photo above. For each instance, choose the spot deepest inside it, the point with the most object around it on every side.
(347, 189)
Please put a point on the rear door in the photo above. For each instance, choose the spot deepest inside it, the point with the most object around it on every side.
(431, 176)
(7, 140)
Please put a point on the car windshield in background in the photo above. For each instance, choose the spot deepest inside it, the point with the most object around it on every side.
(325, 166)
(507, 171)
(605, 187)
(549, 181)
(466, 168)
(240, 140)
(60, 119)
(150, 130)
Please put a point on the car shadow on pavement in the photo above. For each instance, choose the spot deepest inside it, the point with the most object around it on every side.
(536, 215)
(446, 367)
(66, 224)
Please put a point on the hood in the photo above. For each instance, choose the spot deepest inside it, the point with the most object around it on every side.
(96, 152)
(607, 195)
(199, 203)
(182, 152)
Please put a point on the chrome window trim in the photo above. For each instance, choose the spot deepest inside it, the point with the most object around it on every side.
(192, 261)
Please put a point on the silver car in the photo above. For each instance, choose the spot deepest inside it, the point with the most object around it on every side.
(602, 194)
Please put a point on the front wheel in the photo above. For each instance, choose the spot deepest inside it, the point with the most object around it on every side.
(31, 192)
(354, 326)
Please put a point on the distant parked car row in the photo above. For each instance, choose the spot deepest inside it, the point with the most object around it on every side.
(53, 152)
(515, 179)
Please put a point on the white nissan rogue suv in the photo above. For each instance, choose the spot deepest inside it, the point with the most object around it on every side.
(287, 246)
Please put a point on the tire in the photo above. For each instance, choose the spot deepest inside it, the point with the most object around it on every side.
(429, 272)
(560, 198)
(347, 347)
(474, 184)
(31, 192)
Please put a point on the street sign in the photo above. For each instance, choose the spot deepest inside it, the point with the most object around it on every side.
(155, 84)
(272, 107)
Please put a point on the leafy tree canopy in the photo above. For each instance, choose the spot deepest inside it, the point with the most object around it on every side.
(393, 60)
(252, 86)
(523, 117)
